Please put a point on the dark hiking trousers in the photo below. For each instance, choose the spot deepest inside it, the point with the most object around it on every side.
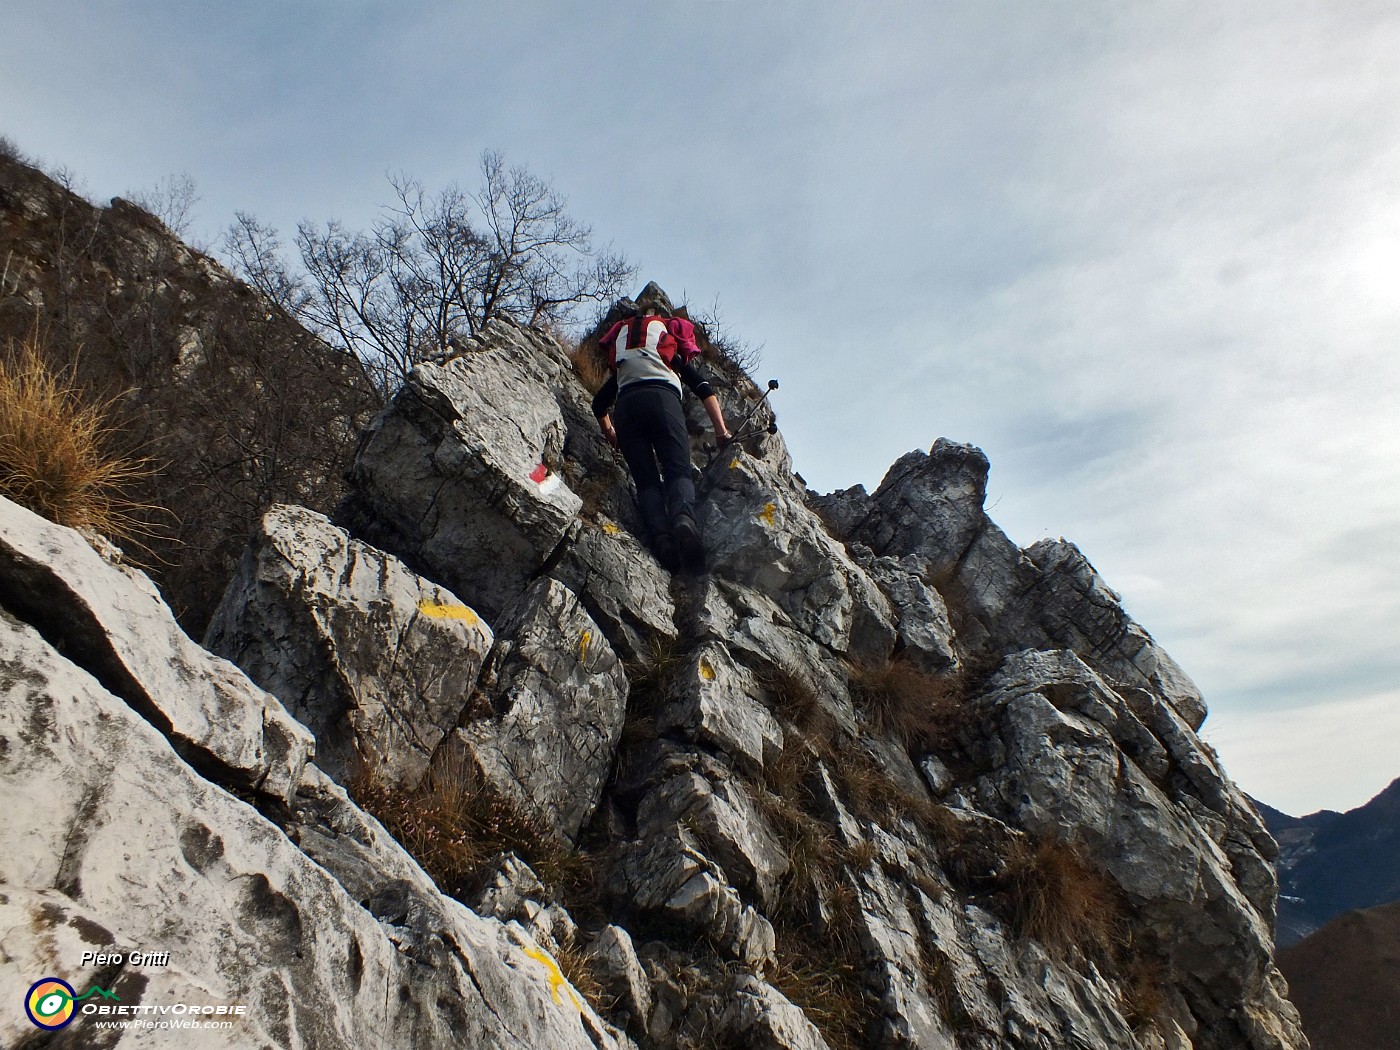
(650, 430)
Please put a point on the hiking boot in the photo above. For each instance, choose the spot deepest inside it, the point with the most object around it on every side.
(687, 535)
(667, 553)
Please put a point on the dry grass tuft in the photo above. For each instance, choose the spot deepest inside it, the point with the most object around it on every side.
(455, 826)
(650, 676)
(56, 454)
(589, 365)
(922, 711)
(579, 968)
(1056, 898)
(830, 988)
(791, 695)
(1142, 978)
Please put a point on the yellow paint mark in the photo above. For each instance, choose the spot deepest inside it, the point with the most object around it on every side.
(611, 529)
(556, 977)
(583, 644)
(734, 463)
(706, 671)
(768, 514)
(448, 611)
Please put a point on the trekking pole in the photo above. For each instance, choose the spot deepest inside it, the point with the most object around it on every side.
(741, 434)
(772, 385)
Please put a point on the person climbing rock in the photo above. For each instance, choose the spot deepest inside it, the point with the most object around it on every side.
(650, 354)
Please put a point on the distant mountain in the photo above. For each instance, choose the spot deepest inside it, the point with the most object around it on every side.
(1330, 863)
(1345, 980)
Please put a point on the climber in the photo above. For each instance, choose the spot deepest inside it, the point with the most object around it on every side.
(650, 353)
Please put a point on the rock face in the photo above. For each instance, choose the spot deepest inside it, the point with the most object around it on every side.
(461, 473)
(311, 618)
(880, 779)
(121, 835)
(560, 694)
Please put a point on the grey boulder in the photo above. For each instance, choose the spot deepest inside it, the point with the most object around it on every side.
(378, 662)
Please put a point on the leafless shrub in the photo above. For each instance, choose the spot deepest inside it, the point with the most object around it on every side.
(438, 266)
(719, 344)
(172, 200)
(10, 151)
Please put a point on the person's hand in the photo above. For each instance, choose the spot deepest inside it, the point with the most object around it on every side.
(721, 440)
(610, 432)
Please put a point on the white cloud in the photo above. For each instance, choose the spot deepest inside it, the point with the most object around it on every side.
(1145, 255)
(1328, 756)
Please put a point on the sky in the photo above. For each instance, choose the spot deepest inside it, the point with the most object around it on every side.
(1146, 256)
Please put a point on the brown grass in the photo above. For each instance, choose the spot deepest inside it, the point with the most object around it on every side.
(580, 969)
(1057, 899)
(922, 711)
(454, 825)
(56, 454)
(830, 988)
(1142, 978)
(590, 367)
(791, 695)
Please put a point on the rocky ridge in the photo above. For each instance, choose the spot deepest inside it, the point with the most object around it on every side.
(879, 779)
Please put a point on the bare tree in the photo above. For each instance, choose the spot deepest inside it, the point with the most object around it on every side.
(255, 252)
(171, 200)
(436, 267)
(541, 262)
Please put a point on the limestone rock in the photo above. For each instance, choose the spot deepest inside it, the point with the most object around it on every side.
(1079, 611)
(376, 661)
(907, 1001)
(1064, 776)
(759, 634)
(101, 811)
(720, 813)
(928, 506)
(558, 695)
(114, 624)
(666, 874)
(764, 1019)
(622, 586)
(924, 632)
(623, 976)
(460, 476)
(714, 701)
(761, 534)
(928, 513)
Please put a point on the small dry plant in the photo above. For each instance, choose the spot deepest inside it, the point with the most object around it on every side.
(56, 454)
(1057, 899)
(454, 825)
(921, 711)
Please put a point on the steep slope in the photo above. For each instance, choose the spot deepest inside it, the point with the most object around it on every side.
(1345, 980)
(880, 764)
(1330, 863)
(234, 403)
(880, 779)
